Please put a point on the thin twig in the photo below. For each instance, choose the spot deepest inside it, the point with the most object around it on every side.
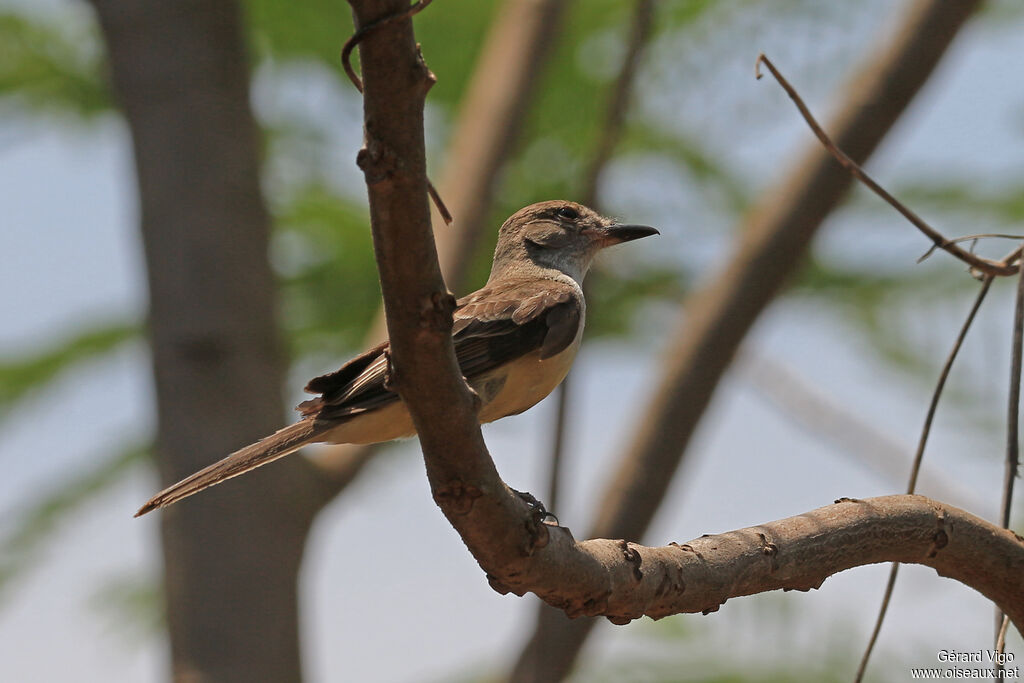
(918, 458)
(1001, 636)
(363, 31)
(981, 264)
(346, 63)
(968, 238)
(1012, 423)
(1013, 412)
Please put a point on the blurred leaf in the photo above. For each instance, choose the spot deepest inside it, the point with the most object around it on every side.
(132, 605)
(19, 377)
(45, 512)
(51, 69)
(735, 196)
(318, 29)
(1006, 204)
(686, 648)
(615, 298)
(323, 250)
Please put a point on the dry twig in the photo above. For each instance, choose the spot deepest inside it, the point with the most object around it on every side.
(990, 269)
(346, 63)
(1012, 429)
(916, 467)
(980, 264)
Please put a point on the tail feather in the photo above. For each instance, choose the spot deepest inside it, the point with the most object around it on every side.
(277, 445)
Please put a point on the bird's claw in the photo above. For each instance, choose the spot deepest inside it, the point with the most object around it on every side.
(537, 509)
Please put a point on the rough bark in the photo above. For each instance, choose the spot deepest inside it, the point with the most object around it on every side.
(231, 557)
(614, 578)
(715, 318)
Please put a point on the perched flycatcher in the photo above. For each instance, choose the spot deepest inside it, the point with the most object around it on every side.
(515, 340)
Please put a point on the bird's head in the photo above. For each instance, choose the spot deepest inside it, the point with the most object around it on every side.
(557, 235)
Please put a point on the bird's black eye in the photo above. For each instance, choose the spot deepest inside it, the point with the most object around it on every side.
(568, 212)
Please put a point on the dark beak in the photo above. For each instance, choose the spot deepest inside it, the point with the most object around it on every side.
(617, 234)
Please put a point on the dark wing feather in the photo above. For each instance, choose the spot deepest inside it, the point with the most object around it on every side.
(355, 388)
(495, 327)
(492, 327)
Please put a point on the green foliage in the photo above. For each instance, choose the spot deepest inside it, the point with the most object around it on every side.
(619, 296)
(132, 607)
(45, 67)
(717, 183)
(317, 31)
(1003, 204)
(30, 528)
(23, 376)
(324, 253)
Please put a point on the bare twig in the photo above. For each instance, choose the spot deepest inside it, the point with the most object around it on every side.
(346, 63)
(1012, 423)
(970, 238)
(1001, 636)
(981, 264)
(1013, 412)
(916, 467)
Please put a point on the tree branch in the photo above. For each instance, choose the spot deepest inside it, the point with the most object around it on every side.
(625, 581)
(490, 118)
(939, 241)
(418, 307)
(620, 580)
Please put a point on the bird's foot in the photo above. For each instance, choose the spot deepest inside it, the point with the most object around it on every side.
(537, 509)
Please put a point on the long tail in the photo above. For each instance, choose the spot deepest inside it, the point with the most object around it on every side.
(268, 449)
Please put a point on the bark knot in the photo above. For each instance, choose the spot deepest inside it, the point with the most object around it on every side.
(377, 161)
(436, 313)
(633, 557)
(458, 497)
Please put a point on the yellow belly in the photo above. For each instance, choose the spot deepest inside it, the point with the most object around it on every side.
(528, 380)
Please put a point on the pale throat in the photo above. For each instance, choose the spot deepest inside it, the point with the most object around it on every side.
(563, 267)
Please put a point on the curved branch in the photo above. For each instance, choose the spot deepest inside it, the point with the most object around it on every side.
(624, 581)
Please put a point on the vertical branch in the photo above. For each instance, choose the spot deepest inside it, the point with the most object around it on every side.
(181, 76)
(1013, 411)
(916, 467)
(490, 117)
(1012, 429)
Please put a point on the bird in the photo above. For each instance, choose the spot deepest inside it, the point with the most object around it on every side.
(515, 340)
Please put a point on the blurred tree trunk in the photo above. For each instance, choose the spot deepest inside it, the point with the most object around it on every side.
(714, 320)
(231, 556)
